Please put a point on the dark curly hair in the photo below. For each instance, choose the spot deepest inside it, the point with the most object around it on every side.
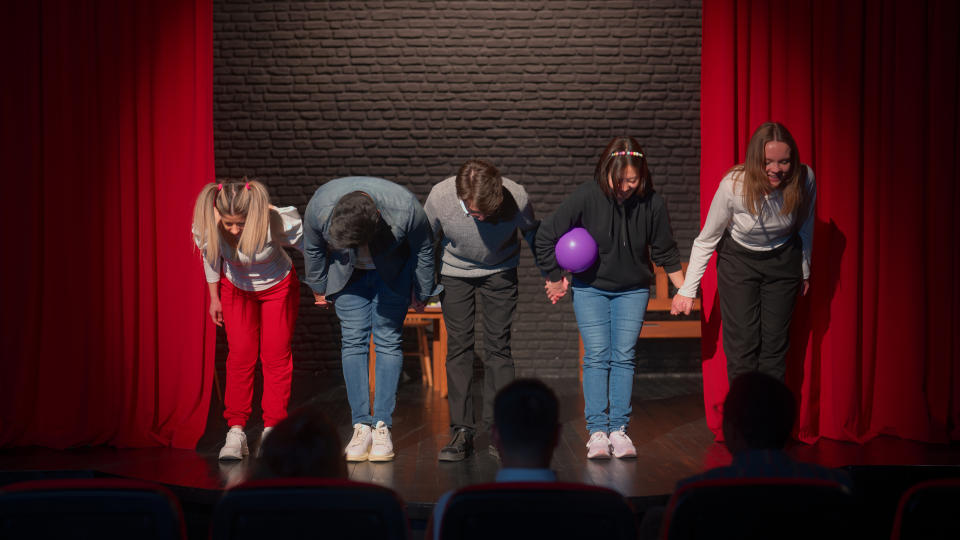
(354, 221)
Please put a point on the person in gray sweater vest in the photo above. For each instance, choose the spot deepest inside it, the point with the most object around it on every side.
(476, 216)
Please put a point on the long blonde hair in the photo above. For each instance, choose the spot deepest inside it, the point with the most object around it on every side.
(232, 198)
(753, 176)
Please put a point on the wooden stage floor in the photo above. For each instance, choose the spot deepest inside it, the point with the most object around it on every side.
(668, 428)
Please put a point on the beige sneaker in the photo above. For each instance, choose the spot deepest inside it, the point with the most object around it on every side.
(622, 445)
(598, 447)
(382, 449)
(236, 445)
(359, 447)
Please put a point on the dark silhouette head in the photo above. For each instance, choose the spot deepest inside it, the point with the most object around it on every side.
(525, 424)
(758, 413)
(302, 444)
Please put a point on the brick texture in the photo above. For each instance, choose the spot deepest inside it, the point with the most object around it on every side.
(306, 92)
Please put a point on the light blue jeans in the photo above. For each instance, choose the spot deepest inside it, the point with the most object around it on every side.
(368, 305)
(609, 323)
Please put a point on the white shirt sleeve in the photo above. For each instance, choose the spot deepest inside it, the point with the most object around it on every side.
(718, 218)
(291, 227)
(212, 271)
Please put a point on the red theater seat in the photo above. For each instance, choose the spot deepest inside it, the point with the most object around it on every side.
(89, 508)
(929, 511)
(760, 508)
(309, 508)
(527, 510)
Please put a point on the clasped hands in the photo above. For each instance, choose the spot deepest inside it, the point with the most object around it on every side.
(558, 289)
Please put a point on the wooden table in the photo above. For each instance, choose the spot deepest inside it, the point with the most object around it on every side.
(438, 354)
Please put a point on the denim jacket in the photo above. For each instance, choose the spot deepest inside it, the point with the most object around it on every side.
(402, 251)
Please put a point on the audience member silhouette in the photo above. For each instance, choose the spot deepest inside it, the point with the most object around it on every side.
(758, 416)
(525, 432)
(305, 444)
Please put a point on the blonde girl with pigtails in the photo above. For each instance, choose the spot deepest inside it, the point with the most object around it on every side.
(254, 295)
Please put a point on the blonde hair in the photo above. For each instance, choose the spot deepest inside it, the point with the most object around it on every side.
(247, 198)
(753, 175)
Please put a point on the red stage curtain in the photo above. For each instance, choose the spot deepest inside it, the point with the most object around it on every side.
(107, 136)
(870, 91)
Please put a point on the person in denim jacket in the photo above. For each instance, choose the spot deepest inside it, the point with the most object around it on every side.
(368, 251)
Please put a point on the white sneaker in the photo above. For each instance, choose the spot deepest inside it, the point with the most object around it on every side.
(598, 447)
(622, 445)
(382, 449)
(263, 437)
(359, 447)
(236, 445)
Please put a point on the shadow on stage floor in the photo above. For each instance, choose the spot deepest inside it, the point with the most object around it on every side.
(667, 426)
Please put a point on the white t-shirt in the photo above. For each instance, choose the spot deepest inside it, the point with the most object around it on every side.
(267, 267)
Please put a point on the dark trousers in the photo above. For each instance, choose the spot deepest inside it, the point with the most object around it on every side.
(498, 292)
(757, 293)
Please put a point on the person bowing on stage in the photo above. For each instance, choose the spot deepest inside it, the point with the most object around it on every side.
(760, 224)
(476, 216)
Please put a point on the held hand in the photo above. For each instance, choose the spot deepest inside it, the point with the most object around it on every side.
(321, 300)
(216, 311)
(681, 304)
(556, 289)
(805, 288)
(415, 303)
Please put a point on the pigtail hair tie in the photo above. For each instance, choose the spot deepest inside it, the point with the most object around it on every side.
(247, 186)
(219, 187)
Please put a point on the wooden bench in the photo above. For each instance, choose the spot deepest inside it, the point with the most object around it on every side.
(660, 302)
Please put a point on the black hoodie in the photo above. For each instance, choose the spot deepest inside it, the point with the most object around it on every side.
(628, 235)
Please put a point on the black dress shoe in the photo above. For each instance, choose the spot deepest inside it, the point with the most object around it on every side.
(459, 446)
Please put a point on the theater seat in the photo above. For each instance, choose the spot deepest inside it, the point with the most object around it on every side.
(930, 511)
(527, 510)
(80, 508)
(309, 508)
(760, 508)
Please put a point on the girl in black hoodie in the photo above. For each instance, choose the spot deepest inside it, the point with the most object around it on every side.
(629, 222)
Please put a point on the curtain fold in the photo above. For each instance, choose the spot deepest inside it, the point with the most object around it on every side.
(870, 92)
(108, 136)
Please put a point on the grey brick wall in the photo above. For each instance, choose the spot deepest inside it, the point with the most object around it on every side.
(306, 92)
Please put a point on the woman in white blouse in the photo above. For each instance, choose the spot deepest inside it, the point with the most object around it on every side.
(760, 224)
(254, 294)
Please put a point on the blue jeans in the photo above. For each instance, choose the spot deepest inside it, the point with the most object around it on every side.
(367, 304)
(609, 323)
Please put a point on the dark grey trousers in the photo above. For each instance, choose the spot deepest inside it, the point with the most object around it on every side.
(757, 293)
(498, 294)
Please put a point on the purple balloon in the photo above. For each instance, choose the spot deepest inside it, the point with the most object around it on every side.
(576, 250)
